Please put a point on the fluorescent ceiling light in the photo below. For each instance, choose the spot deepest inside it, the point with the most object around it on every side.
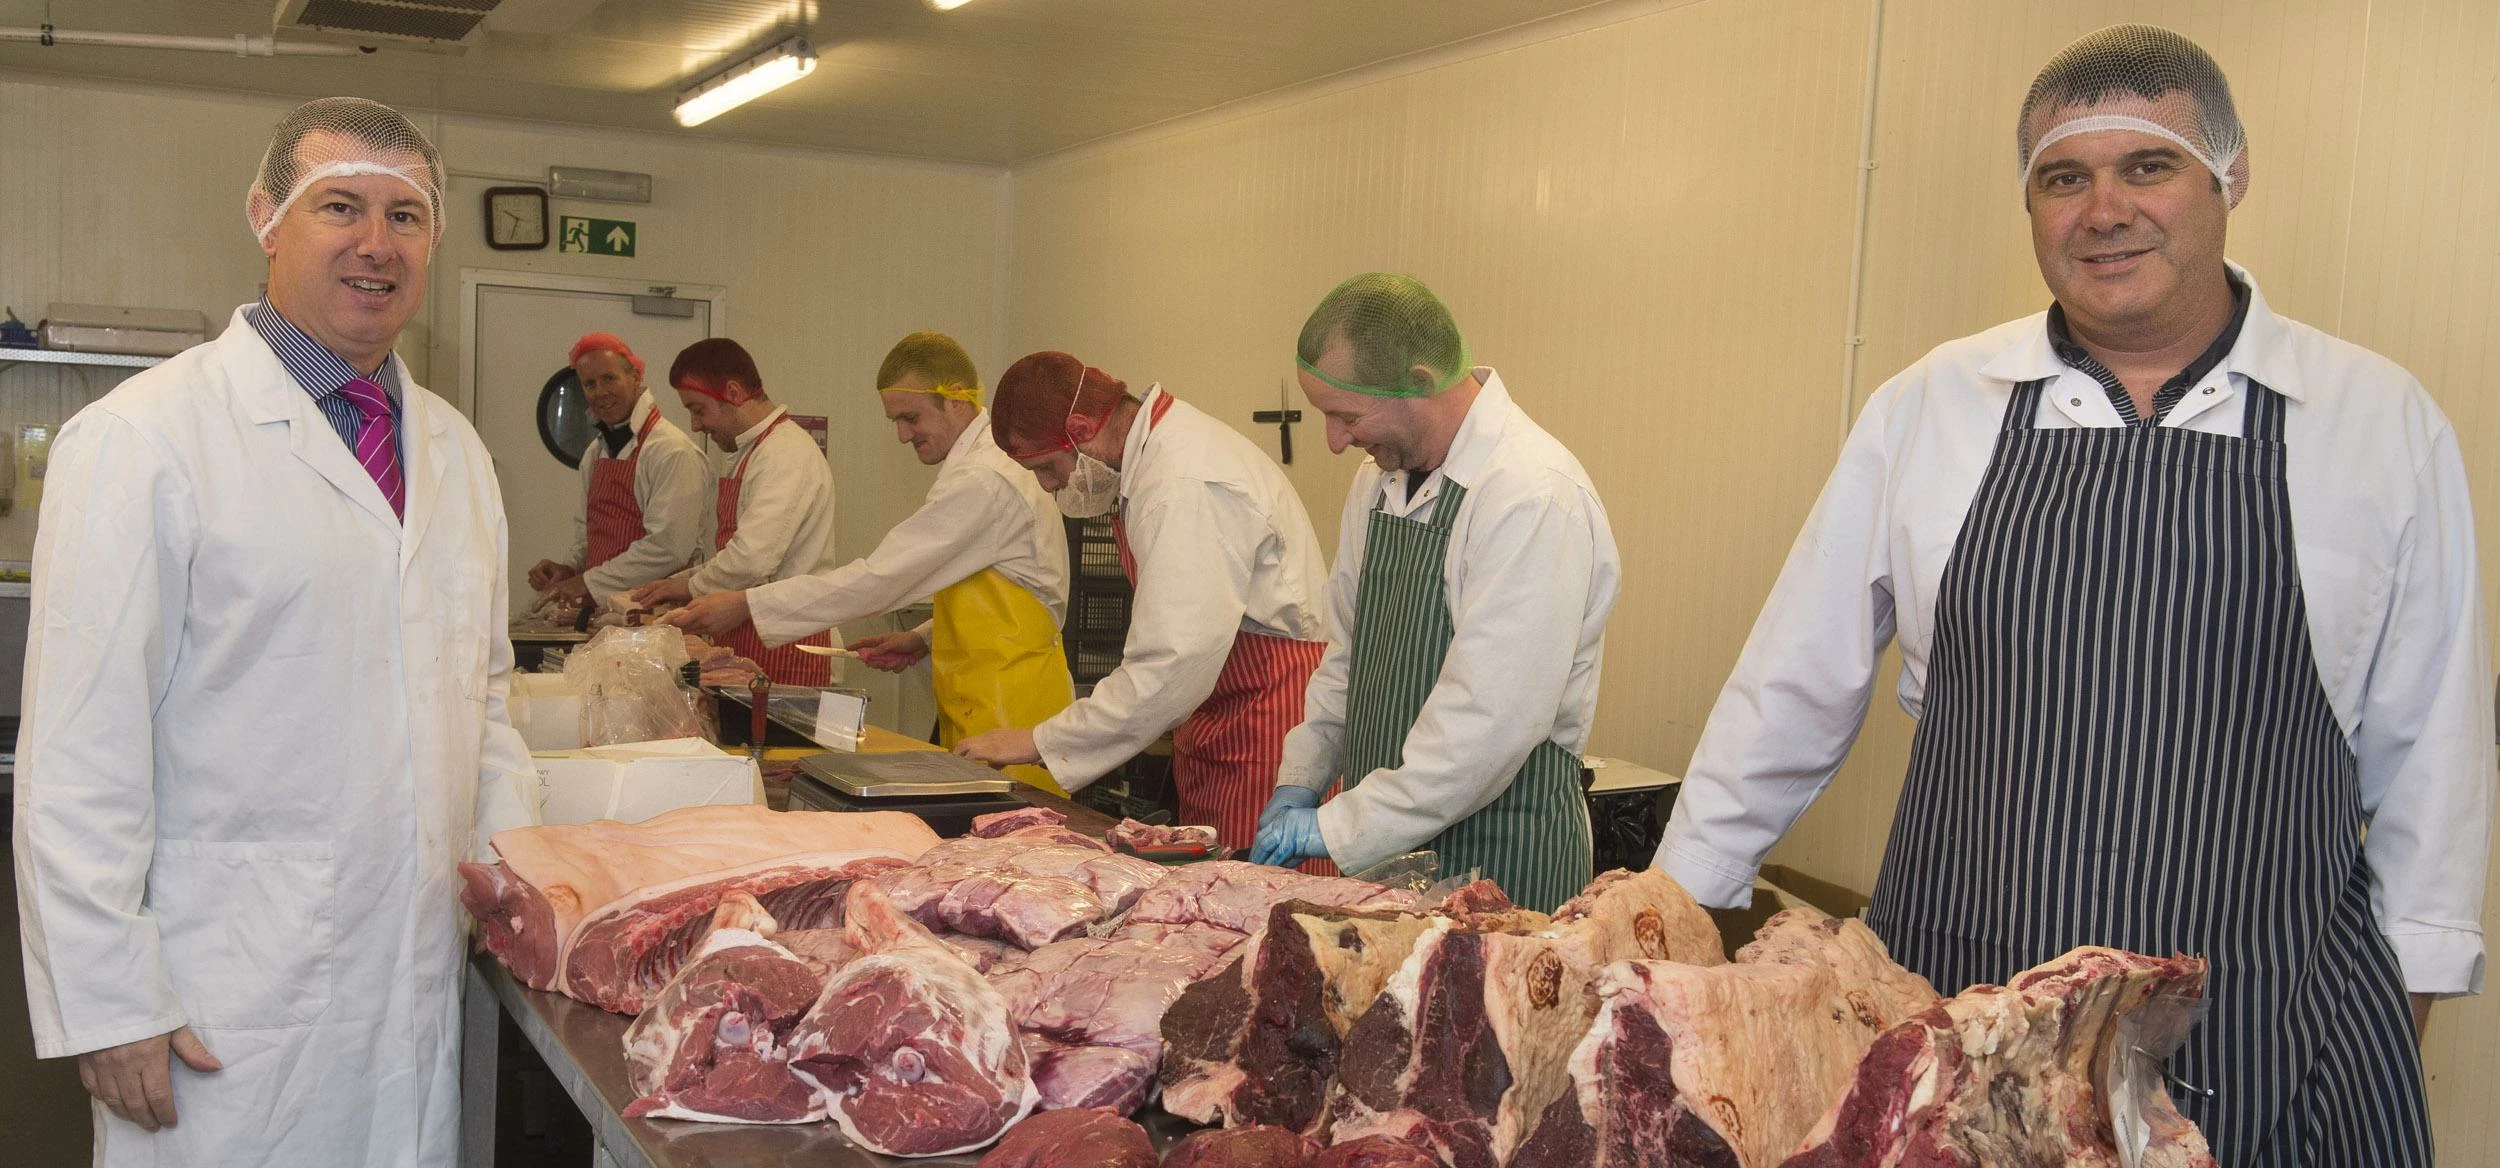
(947, 5)
(747, 80)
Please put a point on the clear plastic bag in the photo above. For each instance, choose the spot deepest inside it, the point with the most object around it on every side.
(631, 689)
(2136, 1079)
(1414, 872)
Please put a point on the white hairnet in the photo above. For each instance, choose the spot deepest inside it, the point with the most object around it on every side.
(2143, 78)
(336, 136)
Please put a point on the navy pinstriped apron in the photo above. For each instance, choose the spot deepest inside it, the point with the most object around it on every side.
(2126, 743)
(1533, 840)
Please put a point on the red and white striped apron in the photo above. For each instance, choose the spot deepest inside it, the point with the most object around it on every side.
(1225, 756)
(786, 665)
(613, 520)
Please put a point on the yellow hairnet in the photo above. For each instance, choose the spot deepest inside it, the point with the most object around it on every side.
(953, 391)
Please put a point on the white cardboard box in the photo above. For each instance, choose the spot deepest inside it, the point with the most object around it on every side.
(633, 781)
(547, 710)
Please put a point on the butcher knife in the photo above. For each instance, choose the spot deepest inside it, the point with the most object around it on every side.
(828, 651)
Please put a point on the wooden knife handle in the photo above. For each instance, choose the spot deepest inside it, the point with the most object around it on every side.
(759, 700)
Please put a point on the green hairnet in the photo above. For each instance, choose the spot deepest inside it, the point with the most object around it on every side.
(1392, 324)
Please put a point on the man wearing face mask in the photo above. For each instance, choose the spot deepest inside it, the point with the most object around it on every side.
(1226, 626)
(985, 547)
(1475, 571)
(643, 484)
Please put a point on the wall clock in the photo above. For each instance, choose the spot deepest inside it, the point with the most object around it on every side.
(516, 218)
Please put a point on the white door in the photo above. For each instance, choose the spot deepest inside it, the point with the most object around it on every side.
(521, 337)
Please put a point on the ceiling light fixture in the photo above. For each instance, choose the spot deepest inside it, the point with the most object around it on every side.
(947, 5)
(745, 81)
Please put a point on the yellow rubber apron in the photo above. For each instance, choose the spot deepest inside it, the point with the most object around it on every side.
(995, 662)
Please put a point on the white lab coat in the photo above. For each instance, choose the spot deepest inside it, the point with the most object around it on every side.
(785, 512)
(2384, 533)
(1532, 574)
(984, 511)
(672, 485)
(1223, 547)
(264, 721)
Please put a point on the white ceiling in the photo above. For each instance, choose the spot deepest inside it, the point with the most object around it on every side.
(996, 81)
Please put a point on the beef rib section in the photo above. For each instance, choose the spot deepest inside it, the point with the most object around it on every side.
(2010, 1076)
(1471, 1040)
(1024, 891)
(1091, 1010)
(1230, 894)
(1725, 1066)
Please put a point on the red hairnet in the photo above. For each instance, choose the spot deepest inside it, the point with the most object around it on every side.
(709, 365)
(605, 343)
(1029, 410)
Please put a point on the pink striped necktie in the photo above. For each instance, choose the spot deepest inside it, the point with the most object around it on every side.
(376, 447)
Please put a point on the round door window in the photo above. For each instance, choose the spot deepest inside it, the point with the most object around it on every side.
(564, 421)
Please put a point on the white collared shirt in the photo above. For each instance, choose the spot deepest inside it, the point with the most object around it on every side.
(2384, 534)
(1223, 546)
(785, 512)
(672, 485)
(1532, 573)
(984, 511)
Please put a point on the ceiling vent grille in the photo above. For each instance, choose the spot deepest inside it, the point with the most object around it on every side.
(440, 22)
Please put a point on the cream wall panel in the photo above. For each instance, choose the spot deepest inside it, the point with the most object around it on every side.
(134, 196)
(2421, 283)
(1633, 223)
(1647, 227)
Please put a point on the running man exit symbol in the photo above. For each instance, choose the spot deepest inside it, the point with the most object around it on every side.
(609, 237)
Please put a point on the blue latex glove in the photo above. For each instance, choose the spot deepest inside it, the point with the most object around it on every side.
(1289, 828)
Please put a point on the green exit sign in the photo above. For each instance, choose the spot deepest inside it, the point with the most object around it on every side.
(609, 237)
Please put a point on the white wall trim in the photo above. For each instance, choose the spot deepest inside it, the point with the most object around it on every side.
(472, 279)
(1502, 40)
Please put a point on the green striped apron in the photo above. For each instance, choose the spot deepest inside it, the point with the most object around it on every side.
(1533, 841)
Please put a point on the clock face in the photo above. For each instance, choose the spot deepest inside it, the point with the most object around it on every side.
(516, 217)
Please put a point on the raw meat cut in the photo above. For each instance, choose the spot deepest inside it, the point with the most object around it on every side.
(1241, 1147)
(1374, 1152)
(622, 954)
(1725, 1066)
(1234, 895)
(1084, 1138)
(720, 667)
(1033, 824)
(912, 1048)
(1020, 890)
(1129, 835)
(710, 1047)
(982, 953)
(1258, 1042)
(2009, 1075)
(1471, 1041)
(1080, 1000)
(528, 903)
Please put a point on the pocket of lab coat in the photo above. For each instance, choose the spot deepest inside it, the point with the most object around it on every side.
(246, 929)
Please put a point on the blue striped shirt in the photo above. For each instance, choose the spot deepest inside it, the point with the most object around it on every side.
(321, 373)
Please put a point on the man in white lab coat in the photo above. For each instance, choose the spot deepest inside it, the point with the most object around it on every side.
(2191, 621)
(986, 547)
(773, 511)
(644, 484)
(265, 702)
(1475, 571)
(1226, 626)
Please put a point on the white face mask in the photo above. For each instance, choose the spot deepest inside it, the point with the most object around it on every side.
(1094, 489)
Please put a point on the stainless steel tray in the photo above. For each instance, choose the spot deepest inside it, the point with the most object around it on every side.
(907, 774)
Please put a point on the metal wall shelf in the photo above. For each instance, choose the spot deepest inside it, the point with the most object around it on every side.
(12, 356)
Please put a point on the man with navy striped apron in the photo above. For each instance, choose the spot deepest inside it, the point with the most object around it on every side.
(2189, 613)
(1474, 573)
